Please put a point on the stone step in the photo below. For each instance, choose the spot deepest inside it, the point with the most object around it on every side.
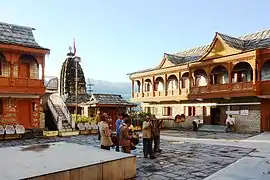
(68, 133)
(213, 128)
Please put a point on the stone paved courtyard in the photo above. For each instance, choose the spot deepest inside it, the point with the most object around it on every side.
(177, 161)
(207, 135)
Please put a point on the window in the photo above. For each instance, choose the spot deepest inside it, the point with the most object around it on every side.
(167, 111)
(147, 109)
(191, 111)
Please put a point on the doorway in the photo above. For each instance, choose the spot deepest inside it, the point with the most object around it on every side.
(215, 116)
(24, 114)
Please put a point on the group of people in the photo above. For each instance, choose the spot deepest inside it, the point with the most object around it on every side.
(123, 135)
(150, 131)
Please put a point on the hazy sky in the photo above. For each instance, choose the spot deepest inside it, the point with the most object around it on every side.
(115, 37)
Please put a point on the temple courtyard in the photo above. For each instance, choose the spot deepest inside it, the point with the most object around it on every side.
(192, 155)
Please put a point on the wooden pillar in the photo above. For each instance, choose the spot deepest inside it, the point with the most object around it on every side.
(142, 92)
(179, 83)
(254, 68)
(230, 73)
(132, 88)
(153, 86)
(258, 72)
(165, 84)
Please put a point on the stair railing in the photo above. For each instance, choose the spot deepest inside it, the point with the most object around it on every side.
(57, 118)
(56, 99)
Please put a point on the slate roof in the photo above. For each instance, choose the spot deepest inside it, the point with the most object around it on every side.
(257, 40)
(18, 35)
(109, 99)
(82, 98)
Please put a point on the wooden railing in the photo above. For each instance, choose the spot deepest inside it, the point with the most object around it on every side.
(159, 93)
(21, 85)
(137, 95)
(219, 88)
(148, 94)
(174, 92)
(264, 87)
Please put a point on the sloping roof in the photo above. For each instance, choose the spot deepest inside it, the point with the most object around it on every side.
(109, 99)
(82, 98)
(248, 42)
(18, 35)
(232, 41)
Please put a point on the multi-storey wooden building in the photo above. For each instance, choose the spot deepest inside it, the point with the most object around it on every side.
(229, 76)
(22, 63)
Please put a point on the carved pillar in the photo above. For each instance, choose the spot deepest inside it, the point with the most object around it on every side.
(208, 76)
(179, 83)
(258, 72)
(230, 72)
(153, 85)
(254, 67)
(142, 87)
(11, 64)
(165, 84)
(132, 88)
(191, 79)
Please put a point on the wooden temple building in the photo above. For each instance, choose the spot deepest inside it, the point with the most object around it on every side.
(21, 76)
(230, 76)
(112, 104)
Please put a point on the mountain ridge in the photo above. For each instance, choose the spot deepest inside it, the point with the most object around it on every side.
(108, 87)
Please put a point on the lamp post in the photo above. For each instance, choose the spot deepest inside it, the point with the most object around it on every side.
(77, 60)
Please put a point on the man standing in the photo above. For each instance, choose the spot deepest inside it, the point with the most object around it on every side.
(156, 134)
(147, 140)
(124, 136)
(117, 125)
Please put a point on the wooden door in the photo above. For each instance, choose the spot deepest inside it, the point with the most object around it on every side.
(24, 70)
(265, 115)
(24, 113)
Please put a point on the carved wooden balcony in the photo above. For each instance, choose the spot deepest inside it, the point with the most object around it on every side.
(264, 87)
(224, 90)
(137, 95)
(21, 85)
(173, 92)
(159, 93)
(148, 94)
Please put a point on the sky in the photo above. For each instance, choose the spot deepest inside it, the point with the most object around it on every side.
(116, 37)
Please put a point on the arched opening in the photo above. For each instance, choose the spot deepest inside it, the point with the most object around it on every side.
(28, 67)
(147, 85)
(185, 80)
(219, 75)
(172, 82)
(200, 77)
(138, 86)
(159, 84)
(265, 71)
(242, 72)
(4, 66)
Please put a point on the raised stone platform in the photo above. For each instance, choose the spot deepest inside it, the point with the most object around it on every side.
(65, 161)
(213, 128)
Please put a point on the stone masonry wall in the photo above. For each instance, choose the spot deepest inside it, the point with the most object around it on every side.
(249, 123)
